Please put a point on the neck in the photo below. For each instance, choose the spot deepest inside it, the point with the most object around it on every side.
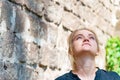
(84, 66)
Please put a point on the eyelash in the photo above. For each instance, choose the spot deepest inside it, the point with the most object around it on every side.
(92, 38)
(80, 37)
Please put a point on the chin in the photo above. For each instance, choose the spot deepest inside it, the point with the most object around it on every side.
(86, 51)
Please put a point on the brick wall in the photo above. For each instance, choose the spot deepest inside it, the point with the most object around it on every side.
(33, 34)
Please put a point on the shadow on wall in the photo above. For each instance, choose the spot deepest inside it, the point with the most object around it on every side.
(13, 47)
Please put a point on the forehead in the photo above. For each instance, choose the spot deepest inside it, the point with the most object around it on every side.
(84, 32)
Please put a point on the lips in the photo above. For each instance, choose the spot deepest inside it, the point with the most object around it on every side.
(86, 44)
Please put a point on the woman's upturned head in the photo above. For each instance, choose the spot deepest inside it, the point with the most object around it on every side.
(82, 40)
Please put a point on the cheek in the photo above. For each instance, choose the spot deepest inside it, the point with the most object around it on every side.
(95, 46)
(76, 46)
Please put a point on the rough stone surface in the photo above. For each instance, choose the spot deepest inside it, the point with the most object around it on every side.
(33, 34)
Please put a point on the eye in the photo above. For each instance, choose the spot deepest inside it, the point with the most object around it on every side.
(91, 37)
(79, 37)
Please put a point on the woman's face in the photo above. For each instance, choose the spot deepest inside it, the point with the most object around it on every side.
(84, 41)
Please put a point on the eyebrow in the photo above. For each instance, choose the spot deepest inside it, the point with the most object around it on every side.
(76, 36)
(83, 35)
(91, 35)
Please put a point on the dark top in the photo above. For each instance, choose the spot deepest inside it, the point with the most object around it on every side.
(100, 75)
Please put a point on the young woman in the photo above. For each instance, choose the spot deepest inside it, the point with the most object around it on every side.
(83, 48)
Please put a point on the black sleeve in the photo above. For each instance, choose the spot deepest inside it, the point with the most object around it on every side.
(114, 75)
(107, 75)
(60, 78)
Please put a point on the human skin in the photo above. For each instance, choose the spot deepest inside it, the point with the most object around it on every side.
(84, 50)
(84, 41)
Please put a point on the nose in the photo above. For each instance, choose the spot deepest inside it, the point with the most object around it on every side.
(86, 40)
